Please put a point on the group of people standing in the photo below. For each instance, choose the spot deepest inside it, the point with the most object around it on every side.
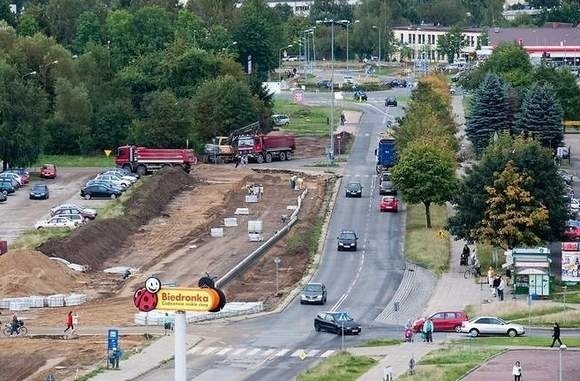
(497, 283)
(243, 160)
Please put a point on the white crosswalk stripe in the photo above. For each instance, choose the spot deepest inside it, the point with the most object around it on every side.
(194, 349)
(327, 353)
(268, 352)
(282, 352)
(238, 352)
(253, 352)
(209, 350)
(297, 353)
(224, 351)
(312, 352)
(258, 352)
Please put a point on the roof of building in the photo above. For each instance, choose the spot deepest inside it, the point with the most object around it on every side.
(433, 28)
(547, 36)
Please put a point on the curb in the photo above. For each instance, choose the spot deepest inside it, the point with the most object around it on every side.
(482, 363)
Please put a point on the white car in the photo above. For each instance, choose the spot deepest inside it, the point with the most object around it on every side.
(12, 175)
(574, 205)
(114, 179)
(280, 120)
(131, 179)
(56, 222)
(491, 325)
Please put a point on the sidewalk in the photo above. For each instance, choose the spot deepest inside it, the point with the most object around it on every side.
(149, 358)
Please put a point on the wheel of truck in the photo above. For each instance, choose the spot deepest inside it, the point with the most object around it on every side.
(282, 156)
(141, 170)
(260, 159)
(268, 158)
(127, 168)
(288, 155)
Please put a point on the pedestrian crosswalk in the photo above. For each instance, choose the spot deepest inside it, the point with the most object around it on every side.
(262, 353)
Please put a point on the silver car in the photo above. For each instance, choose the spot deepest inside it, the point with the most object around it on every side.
(313, 293)
(491, 325)
(280, 120)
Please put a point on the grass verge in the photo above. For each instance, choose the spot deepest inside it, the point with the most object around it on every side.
(305, 120)
(567, 319)
(380, 342)
(535, 312)
(423, 246)
(449, 364)
(33, 238)
(76, 161)
(116, 208)
(524, 341)
(340, 367)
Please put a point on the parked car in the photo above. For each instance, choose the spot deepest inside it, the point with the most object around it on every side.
(72, 208)
(384, 176)
(3, 196)
(572, 233)
(110, 178)
(39, 192)
(573, 223)
(389, 204)
(398, 83)
(354, 190)
(360, 95)
(347, 240)
(280, 120)
(568, 178)
(12, 175)
(48, 171)
(107, 184)
(55, 222)
(99, 191)
(11, 181)
(391, 101)
(122, 175)
(491, 325)
(443, 321)
(325, 83)
(387, 188)
(76, 218)
(22, 172)
(313, 293)
(574, 205)
(336, 322)
(7, 186)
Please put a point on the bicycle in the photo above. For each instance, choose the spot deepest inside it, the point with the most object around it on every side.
(471, 271)
(21, 330)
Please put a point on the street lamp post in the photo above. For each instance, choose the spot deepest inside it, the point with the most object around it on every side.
(280, 54)
(379, 30)
(277, 263)
(347, 24)
(331, 124)
(562, 349)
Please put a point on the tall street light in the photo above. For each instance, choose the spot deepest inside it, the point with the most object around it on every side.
(347, 23)
(562, 349)
(379, 30)
(331, 124)
(280, 54)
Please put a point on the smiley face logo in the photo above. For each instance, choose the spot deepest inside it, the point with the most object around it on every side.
(153, 285)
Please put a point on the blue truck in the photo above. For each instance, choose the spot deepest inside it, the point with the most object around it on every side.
(386, 154)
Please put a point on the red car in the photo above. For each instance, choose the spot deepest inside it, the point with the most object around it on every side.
(443, 321)
(48, 171)
(572, 233)
(389, 204)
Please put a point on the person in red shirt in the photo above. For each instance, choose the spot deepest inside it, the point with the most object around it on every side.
(69, 322)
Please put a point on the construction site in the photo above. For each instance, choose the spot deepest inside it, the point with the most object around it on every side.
(177, 227)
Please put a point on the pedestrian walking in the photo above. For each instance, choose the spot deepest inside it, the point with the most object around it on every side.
(500, 288)
(465, 256)
(293, 182)
(14, 325)
(75, 321)
(496, 281)
(428, 329)
(237, 160)
(556, 335)
(490, 276)
(245, 161)
(167, 324)
(69, 322)
(517, 371)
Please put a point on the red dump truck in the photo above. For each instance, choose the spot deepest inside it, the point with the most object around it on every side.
(142, 160)
(265, 148)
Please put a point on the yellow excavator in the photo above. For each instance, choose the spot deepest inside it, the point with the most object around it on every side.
(222, 149)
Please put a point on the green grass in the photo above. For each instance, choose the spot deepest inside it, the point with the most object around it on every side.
(33, 238)
(571, 297)
(91, 374)
(423, 246)
(521, 314)
(467, 103)
(340, 367)
(305, 120)
(485, 255)
(76, 161)
(380, 342)
(567, 319)
(116, 208)
(523, 341)
(449, 364)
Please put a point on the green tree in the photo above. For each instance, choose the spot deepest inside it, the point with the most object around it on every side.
(564, 85)
(425, 125)
(444, 12)
(568, 12)
(214, 12)
(22, 110)
(450, 43)
(258, 34)
(27, 25)
(5, 12)
(122, 37)
(489, 112)
(167, 121)
(541, 116)
(62, 18)
(532, 160)
(425, 174)
(111, 123)
(153, 29)
(331, 10)
(484, 12)
(89, 29)
(216, 39)
(222, 105)
(512, 216)
(189, 27)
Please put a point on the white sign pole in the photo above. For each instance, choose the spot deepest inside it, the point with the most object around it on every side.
(180, 347)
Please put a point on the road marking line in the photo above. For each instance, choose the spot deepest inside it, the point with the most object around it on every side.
(338, 303)
(268, 352)
(194, 349)
(312, 352)
(282, 353)
(327, 353)
(239, 351)
(297, 353)
(209, 350)
(367, 134)
(224, 351)
(253, 352)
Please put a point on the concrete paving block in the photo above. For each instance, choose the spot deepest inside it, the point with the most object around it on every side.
(217, 232)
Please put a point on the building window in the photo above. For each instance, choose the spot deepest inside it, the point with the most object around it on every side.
(402, 38)
(413, 39)
(409, 38)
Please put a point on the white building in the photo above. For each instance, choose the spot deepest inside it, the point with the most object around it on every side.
(423, 40)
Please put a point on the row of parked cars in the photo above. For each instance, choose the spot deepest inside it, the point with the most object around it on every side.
(109, 184)
(572, 230)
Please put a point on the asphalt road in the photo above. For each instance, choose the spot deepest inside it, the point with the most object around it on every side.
(360, 283)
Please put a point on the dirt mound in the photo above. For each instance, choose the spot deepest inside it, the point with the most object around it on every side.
(102, 239)
(27, 272)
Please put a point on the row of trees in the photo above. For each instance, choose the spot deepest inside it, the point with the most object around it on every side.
(426, 143)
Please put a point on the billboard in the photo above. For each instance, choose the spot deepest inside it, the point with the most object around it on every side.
(570, 266)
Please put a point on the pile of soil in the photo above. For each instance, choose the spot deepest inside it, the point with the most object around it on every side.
(102, 239)
(27, 272)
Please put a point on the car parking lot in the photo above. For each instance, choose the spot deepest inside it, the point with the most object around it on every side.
(19, 213)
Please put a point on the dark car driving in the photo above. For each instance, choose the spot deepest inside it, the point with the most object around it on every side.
(353, 190)
(387, 188)
(398, 83)
(347, 240)
(99, 191)
(336, 322)
(313, 293)
(39, 192)
(391, 101)
(360, 95)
